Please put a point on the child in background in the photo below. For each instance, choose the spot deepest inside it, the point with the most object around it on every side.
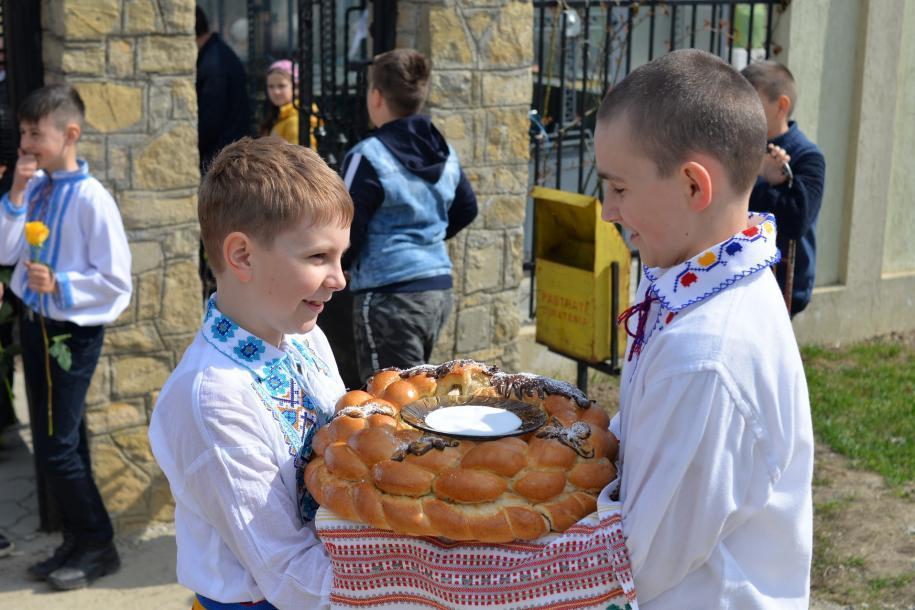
(283, 115)
(410, 195)
(716, 442)
(793, 198)
(77, 282)
(241, 408)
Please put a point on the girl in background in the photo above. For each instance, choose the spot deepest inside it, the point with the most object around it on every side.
(283, 115)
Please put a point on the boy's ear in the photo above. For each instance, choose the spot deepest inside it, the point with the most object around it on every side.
(697, 182)
(375, 97)
(236, 252)
(784, 105)
(72, 133)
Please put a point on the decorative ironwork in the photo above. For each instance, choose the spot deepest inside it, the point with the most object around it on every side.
(583, 47)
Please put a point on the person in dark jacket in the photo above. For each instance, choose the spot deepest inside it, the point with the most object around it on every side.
(410, 195)
(791, 179)
(223, 113)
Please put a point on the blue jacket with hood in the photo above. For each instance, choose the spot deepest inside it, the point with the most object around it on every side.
(410, 195)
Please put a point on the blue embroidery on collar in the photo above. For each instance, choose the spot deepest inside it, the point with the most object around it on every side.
(281, 388)
(250, 349)
(223, 329)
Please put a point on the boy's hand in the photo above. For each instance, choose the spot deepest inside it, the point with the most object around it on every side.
(26, 167)
(41, 279)
(772, 168)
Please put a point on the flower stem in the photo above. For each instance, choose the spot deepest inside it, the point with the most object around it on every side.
(47, 366)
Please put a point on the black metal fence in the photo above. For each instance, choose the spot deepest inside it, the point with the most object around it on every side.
(21, 70)
(581, 48)
(342, 56)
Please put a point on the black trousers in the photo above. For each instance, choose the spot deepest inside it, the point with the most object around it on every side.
(63, 458)
(7, 413)
(398, 328)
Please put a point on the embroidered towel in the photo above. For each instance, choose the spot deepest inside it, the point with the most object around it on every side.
(586, 566)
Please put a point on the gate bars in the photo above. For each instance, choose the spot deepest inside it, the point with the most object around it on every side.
(583, 47)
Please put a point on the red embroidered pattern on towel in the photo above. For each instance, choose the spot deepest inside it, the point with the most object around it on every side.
(585, 567)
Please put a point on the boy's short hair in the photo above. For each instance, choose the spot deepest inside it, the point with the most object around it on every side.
(691, 101)
(402, 77)
(264, 187)
(772, 79)
(61, 101)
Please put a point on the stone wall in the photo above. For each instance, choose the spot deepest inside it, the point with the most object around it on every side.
(481, 52)
(133, 62)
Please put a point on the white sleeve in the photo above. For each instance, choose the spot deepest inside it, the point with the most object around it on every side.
(12, 227)
(105, 282)
(236, 484)
(693, 471)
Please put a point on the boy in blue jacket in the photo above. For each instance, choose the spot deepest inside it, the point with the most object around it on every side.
(410, 195)
(794, 194)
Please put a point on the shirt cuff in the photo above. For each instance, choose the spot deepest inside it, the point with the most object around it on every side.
(11, 209)
(63, 298)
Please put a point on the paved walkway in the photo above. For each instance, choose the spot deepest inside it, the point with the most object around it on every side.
(147, 577)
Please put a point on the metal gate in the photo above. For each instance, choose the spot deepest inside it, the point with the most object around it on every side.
(335, 81)
(331, 42)
(21, 70)
(583, 47)
(338, 90)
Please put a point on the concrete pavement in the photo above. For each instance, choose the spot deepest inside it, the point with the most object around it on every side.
(147, 577)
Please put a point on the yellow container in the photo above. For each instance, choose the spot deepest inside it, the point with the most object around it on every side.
(574, 250)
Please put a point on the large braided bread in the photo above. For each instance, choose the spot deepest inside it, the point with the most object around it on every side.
(371, 466)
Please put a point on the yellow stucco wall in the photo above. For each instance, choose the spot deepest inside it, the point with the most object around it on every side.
(854, 66)
(899, 248)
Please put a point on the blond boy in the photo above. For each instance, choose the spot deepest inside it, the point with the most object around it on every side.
(716, 444)
(243, 404)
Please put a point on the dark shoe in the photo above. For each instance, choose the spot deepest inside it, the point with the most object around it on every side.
(88, 563)
(6, 547)
(43, 569)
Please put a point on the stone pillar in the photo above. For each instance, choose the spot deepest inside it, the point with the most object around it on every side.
(482, 53)
(133, 62)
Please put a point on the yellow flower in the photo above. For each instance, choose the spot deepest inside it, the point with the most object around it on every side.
(36, 232)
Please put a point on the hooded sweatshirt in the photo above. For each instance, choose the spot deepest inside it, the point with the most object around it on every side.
(416, 150)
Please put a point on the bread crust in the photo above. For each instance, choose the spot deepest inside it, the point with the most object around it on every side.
(371, 466)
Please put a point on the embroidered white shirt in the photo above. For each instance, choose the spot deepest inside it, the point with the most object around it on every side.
(225, 430)
(86, 248)
(716, 450)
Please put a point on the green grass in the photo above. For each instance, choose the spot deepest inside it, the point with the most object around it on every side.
(877, 585)
(830, 508)
(863, 403)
